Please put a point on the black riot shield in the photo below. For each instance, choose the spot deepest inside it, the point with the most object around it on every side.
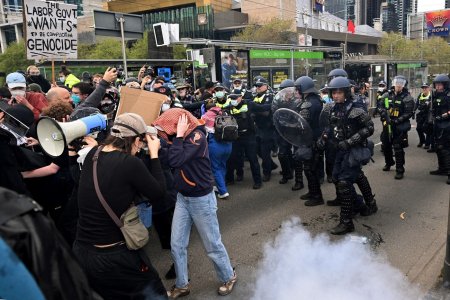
(292, 127)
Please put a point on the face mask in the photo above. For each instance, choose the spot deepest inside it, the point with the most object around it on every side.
(220, 94)
(15, 93)
(76, 99)
(34, 77)
(238, 87)
(234, 102)
(62, 78)
(165, 107)
(380, 89)
(325, 98)
(173, 81)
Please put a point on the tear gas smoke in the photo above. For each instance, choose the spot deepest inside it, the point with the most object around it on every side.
(299, 266)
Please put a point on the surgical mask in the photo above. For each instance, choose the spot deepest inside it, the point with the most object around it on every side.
(165, 107)
(62, 78)
(234, 102)
(326, 98)
(20, 93)
(380, 89)
(76, 99)
(238, 87)
(220, 94)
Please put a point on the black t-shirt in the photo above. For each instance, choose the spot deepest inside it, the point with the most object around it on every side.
(122, 179)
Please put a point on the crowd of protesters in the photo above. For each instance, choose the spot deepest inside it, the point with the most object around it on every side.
(180, 166)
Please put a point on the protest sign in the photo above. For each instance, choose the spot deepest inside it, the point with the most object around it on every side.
(51, 30)
(144, 103)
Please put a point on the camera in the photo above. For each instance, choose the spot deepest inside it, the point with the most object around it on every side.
(149, 72)
(120, 73)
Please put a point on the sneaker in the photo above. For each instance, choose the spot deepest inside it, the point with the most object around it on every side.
(223, 196)
(176, 292)
(227, 287)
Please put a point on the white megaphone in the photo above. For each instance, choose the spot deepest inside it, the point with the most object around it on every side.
(55, 136)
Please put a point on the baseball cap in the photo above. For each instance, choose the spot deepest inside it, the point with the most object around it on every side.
(16, 79)
(425, 85)
(128, 125)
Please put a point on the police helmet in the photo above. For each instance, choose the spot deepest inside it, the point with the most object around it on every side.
(337, 73)
(305, 85)
(286, 83)
(400, 80)
(340, 83)
(442, 78)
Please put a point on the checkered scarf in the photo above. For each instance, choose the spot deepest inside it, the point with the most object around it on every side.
(167, 122)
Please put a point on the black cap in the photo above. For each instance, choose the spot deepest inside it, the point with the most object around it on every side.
(260, 82)
(425, 85)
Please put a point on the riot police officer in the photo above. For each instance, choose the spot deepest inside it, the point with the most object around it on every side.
(423, 106)
(350, 127)
(337, 73)
(441, 114)
(261, 109)
(246, 142)
(310, 108)
(397, 108)
(287, 98)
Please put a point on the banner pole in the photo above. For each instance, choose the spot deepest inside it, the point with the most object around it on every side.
(53, 71)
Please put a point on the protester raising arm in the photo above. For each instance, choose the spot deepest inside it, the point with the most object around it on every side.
(96, 96)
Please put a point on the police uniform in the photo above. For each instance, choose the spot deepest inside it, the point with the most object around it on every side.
(441, 114)
(423, 128)
(396, 111)
(245, 144)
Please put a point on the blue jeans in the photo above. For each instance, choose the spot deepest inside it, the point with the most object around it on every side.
(202, 212)
(218, 155)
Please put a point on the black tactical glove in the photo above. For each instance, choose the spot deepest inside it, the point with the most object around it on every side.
(343, 145)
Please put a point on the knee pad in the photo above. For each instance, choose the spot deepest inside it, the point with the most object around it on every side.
(343, 185)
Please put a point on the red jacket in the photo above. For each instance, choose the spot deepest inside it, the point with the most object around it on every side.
(38, 101)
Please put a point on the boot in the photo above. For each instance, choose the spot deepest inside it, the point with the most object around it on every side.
(346, 193)
(286, 170)
(387, 167)
(448, 179)
(343, 227)
(369, 209)
(364, 186)
(306, 196)
(438, 172)
(441, 161)
(298, 172)
(335, 202)
(298, 185)
(314, 201)
(399, 163)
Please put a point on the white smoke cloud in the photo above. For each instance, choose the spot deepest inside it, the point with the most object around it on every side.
(299, 266)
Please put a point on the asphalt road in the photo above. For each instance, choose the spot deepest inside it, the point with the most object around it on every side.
(250, 219)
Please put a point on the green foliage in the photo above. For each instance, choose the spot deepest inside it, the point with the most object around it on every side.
(14, 58)
(179, 52)
(275, 31)
(140, 49)
(107, 48)
(435, 51)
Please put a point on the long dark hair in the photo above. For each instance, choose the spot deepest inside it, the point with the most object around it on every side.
(65, 71)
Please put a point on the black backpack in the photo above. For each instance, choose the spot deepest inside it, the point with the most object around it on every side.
(225, 128)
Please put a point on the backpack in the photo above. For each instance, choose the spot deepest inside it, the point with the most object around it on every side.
(225, 128)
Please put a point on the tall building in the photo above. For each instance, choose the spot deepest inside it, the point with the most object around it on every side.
(389, 20)
(373, 11)
(355, 10)
(403, 8)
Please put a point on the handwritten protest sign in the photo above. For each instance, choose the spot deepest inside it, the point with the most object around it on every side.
(51, 29)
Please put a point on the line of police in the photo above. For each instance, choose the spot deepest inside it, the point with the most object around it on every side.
(340, 129)
(396, 107)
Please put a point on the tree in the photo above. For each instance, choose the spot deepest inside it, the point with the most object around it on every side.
(14, 58)
(275, 31)
(139, 50)
(107, 48)
(435, 51)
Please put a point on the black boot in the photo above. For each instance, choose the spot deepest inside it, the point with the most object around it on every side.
(314, 201)
(369, 209)
(306, 196)
(387, 167)
(364, 186)
(286, 170)
(298, 172)
(346, 194)
(343, 227)
(298, 185)
(399, 163)
(335, 202)
(448, 179)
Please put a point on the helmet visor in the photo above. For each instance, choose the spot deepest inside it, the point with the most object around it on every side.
(400, 82)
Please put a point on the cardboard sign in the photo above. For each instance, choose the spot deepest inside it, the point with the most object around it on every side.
(51, 29)
(144, 103)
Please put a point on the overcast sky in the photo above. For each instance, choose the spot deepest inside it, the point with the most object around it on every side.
(427, 5)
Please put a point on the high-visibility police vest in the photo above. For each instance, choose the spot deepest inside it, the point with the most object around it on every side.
(223, 105)
(260, 99)
(423, 98)
(242, 109)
